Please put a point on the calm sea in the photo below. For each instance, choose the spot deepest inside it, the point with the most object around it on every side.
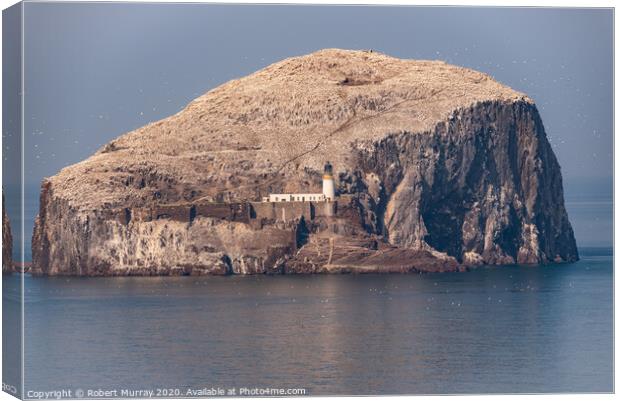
(493, 330)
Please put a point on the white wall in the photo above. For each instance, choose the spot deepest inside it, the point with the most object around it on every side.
(296, 197)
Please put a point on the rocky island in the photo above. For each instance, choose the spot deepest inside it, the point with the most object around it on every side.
(435, 168)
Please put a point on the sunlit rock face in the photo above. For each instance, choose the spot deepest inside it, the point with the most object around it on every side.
(437, 167)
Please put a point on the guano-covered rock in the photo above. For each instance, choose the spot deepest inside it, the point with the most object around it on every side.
(437, 168)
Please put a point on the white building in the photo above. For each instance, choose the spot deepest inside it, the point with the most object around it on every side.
(294, 198)
(328, 195)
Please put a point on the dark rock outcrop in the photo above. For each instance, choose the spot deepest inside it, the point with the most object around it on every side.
(438, 168)
(7, 242)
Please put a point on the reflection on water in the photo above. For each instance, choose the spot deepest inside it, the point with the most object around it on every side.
(510, 329)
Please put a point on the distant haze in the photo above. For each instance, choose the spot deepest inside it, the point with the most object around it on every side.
(95, 71)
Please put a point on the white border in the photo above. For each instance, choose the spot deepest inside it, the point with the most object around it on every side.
(479, 3)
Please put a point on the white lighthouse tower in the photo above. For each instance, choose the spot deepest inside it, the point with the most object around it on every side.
(329, 187)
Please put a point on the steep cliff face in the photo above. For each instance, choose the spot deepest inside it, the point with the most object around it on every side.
(7, 242)
(484, 186)
(442, 167)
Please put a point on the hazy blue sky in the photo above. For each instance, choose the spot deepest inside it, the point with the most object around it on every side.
(96, 71)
